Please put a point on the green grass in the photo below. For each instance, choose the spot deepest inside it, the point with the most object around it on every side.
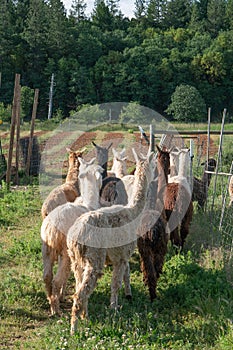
(194, 308)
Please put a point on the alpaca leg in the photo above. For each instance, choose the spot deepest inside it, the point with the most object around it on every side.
(128, 293)
(175, 238)
(185, 224)
(48, 270)
(59, 282)
(80, 298)
(117, 277)
(91, 273)
(149, 273)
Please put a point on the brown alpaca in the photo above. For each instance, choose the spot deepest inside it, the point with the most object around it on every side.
(177, 203)
(200, 186)
(152, 242)
(68, 191)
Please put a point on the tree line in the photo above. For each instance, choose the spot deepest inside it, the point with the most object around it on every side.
(172, 53)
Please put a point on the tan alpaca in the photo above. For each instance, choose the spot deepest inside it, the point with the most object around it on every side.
(56, 225)
(68, 191)
(106, 232)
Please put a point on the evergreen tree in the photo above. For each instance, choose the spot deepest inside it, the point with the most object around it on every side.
(102, 16)
(178, 13)
(140, 8)
(113, 6)
(216, 14)
(57, 27)
(78, 9)
(156, 11)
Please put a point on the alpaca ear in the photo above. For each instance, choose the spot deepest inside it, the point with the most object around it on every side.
(122, 153)
(94, 144)
(81, 160)
(114, 152)
(109, 146)
(150, 156)
(135, 155)
(158, 148)
(92, 161)
(81, 152)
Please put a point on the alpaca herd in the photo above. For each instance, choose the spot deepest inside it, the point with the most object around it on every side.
(100, 216)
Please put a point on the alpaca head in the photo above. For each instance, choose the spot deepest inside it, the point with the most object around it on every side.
(73, 157)
(146, 166)
(101, 153)
(119, 162)
(164, 159)
(90, 174)
(210, 165)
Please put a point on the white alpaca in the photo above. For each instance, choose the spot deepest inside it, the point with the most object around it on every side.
(183, 169)
(119, 168)
(56, 225)
(68, 191)
(106, 232)
(174, 163)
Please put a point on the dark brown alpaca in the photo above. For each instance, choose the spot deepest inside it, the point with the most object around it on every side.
(152, 242)
(200, 186)
(177, 204)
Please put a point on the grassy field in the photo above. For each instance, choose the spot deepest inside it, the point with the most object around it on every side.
(194, 308)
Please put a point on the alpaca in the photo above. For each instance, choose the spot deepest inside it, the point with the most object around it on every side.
(119, 164)
(174, 162)
(102, 157)
(153, 238)
(230, 190)
(177, 200)
(107, 232)
(68, 191)
(200, 186)
(56, 225)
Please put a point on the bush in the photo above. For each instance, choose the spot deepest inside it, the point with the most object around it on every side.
(187, 104)
(5, 113)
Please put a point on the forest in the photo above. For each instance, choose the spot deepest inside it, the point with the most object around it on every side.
(107, 57)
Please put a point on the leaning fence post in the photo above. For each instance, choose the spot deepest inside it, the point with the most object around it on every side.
(12, 130)
(17, 135)
(30, 141)
(219, 156)
(224, 200)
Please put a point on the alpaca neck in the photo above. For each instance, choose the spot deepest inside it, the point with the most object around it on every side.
(162, 176)
(174, 164)
(138, 198)
(89, 194)
(72, 176)
(206, 178)
(119, 169)
(183, 164)
(104, 173)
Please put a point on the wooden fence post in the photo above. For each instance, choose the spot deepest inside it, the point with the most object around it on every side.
(17, 135)
(30, 141)
(12, 131)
